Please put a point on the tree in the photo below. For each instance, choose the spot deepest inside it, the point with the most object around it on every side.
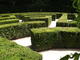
(76, 5)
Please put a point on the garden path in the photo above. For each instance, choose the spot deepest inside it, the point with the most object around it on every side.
(54, 54)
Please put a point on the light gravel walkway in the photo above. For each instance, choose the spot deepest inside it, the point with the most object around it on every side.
(23, 41)
(53, 24)
(56, 54)
(47, 55)
(50, 54)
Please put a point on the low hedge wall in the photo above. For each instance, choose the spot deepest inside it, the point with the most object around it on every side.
(78, 20)
(67, 24)
(64, 22)
(71, 16)
(44, 19)
(57, 16)
(8, 17)
(22, 17)
(9, 21)
(11, 51)
(59, 37)
(42, 39)
(19, 30)
(47, 19)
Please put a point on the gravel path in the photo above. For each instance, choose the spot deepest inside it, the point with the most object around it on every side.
(55, 54)
(50, 54)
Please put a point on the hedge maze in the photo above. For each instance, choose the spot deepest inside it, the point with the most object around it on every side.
(67, 20)
(65, 35)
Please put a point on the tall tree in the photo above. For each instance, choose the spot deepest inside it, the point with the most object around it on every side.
(76, 5)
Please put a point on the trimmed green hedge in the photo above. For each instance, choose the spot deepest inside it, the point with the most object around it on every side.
(59, 37)
(8, 17)
(22, 17)
(63, 22)
(43, 38)
(11, 51)
(71, 16)
(47, 19)
(9, 21)
(78, 20)
(19, 30)
(67, 24)
(58, 16)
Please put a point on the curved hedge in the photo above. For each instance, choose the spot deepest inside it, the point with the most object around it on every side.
(59, 37)
(9, 21)
(64, 22)
(19, 30)
(11, 51)
(47, 19)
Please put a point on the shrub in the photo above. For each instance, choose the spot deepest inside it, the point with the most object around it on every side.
(43, 38)
(78, 21)
(71, 16)
(47, 19)
(9, 21)
(11, 51)
(5, 16)
(53, 17)
(19, 30)
(65, 57)
(74, 57)
(58, 16)
(22, 17)
(67, 24)
(8, 17)
(59, 37)
(63, 22)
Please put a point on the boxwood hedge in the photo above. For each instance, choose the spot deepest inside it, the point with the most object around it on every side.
(47, 19)
(11, 51)
(8, 17)
(19, 30)
(8, 21)
(67, 24)
(59, 37)
(64, 22)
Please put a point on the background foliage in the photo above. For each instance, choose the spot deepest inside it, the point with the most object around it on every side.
(36, 5)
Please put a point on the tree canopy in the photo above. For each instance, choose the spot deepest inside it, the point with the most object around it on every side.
(76, 4)
(36, 5)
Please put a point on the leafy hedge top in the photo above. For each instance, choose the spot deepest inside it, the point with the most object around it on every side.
(9, 20)
(14, 24)
(9, 17)
(11, 51)
(63, 18)
(57, 29)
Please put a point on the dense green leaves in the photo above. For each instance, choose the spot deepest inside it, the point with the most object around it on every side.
(76, 4)
(59, 37)
(19, 30)
(74, 56)
(64, 21)
(35, 5)
(11, 51)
